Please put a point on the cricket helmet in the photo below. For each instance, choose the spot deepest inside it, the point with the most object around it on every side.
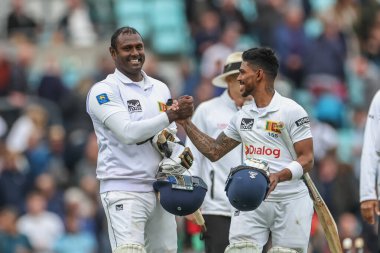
(246, 187)
(180, 194)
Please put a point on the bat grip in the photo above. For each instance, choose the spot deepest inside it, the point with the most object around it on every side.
(200, 220)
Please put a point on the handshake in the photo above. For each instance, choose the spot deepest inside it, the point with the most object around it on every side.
(181, 109)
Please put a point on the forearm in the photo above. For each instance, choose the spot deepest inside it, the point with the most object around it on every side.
(132, 132)
(209, 147)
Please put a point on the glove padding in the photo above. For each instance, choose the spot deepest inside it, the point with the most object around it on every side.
(169, 147)
(258, 164)
(171, 166)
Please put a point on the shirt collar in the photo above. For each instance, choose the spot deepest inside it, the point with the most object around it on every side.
(126, 80)
(273, 106)
(228, 100)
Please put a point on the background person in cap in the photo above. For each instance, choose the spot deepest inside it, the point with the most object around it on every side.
(212, 117)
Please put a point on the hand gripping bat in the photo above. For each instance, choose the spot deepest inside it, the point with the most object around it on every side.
(327, 221)
(198, 217)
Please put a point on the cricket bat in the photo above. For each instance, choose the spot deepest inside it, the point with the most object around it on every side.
(327, 221)
(200, 220)
(325, 217)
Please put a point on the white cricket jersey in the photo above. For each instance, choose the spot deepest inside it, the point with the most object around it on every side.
(212, 117)
(370, 158)
(121, 166)
(262, 137)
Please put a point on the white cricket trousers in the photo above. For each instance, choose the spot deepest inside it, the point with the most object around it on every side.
(138, 217)
(289, 222)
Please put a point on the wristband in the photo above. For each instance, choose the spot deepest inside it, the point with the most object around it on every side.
(296, 169)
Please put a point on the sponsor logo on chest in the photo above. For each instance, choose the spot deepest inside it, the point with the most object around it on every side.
(134, 106)
(263, 150)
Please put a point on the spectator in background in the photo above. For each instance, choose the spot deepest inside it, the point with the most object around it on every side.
(86, 166)
(11, 240)
(47, 186)
(75, 240)
(337, 185)
(325, 61)
(14, 181)
(77, 25)
(5, 72)
(41, 227)
(270, 15)
(19, 23)
(51, 86)
(291, 42)
(27, 137)
(206, 33)
(230, 13)
(213, 61)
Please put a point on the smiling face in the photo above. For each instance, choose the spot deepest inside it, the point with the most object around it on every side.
(249, 79)
(129, 55)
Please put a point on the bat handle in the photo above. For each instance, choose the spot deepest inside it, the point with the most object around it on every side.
(200, 220)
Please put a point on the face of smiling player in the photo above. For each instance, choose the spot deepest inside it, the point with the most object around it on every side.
(129, 55)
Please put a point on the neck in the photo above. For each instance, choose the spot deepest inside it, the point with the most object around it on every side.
(238, 99)
(136, 77)
(263, 97)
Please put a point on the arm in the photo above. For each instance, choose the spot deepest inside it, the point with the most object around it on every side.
(305, 157)
(112, 112)
(369, 205)
(209, 147)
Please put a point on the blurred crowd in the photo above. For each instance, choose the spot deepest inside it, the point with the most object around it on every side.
(52, 52)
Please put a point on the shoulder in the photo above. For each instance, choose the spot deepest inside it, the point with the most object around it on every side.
(376, 98)
(99, 88)
(156, 82)
(209, 104)
(291, 107)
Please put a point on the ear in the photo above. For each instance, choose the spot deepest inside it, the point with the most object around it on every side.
(112, 51)
(259, 74)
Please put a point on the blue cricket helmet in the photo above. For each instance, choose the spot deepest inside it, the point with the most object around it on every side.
(246, 187)
(181, 194)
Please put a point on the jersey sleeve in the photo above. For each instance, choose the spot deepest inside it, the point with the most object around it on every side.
(370, 158)
(299, 124)
(102, 102)
(232, 130)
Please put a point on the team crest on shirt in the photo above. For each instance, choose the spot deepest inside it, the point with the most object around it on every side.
(246, 124)
(134, 106)
(162, 107)
(102, 98)
(274, 126)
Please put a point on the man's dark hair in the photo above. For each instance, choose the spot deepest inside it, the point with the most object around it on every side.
(263, 58)
(124, 29)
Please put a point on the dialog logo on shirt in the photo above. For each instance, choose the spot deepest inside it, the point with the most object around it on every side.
(134, 106)
(301, 121)
(102, 98)
(246, 124)
(119, 207)
(252, 150)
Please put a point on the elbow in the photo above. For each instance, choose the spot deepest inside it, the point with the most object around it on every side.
(212, 157)
(309, 163)
(127, 140)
